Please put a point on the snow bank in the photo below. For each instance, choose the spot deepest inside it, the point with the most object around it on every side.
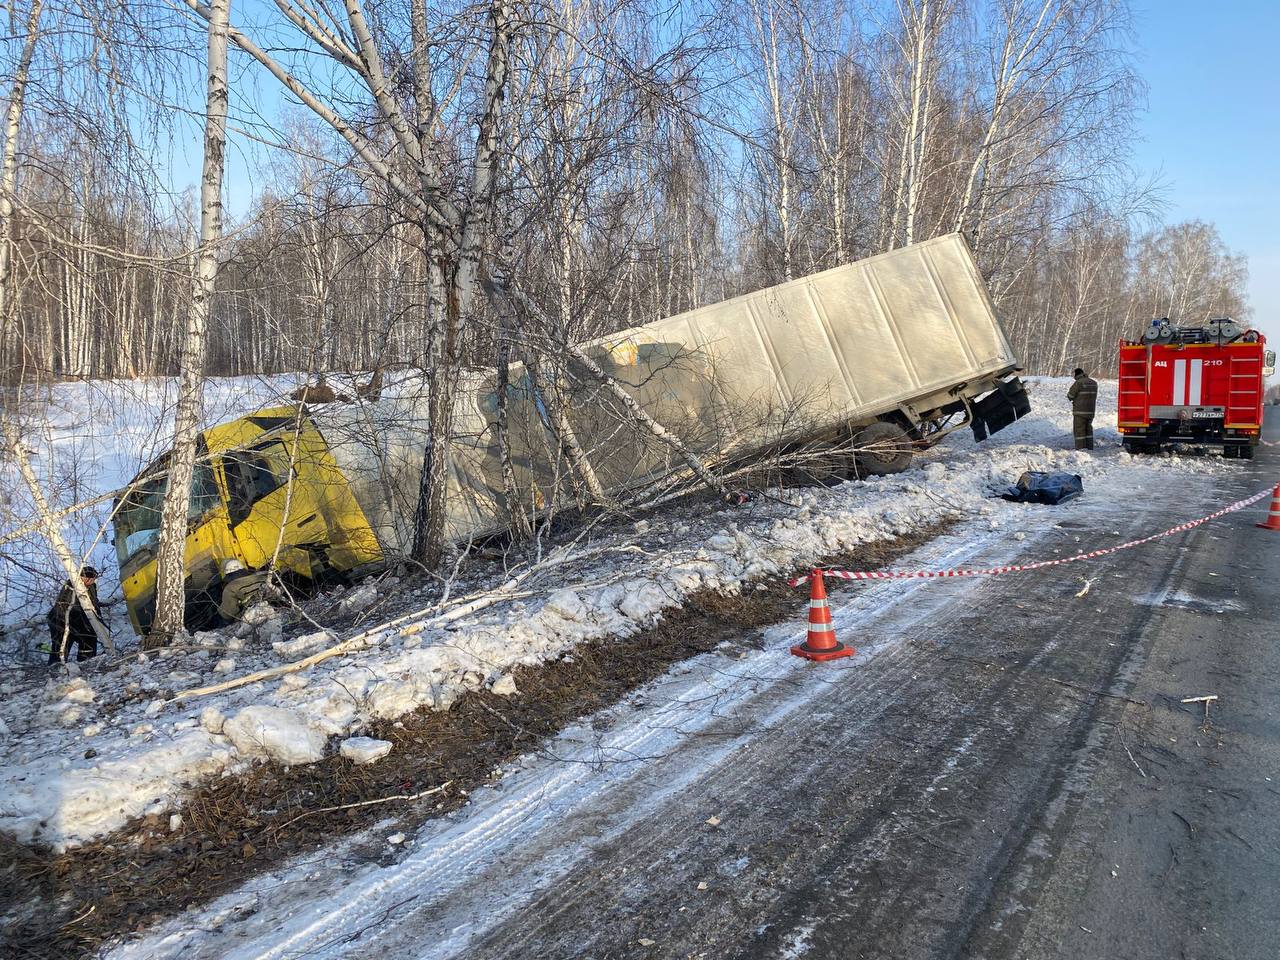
(54, 790)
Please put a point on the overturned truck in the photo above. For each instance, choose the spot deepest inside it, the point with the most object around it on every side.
(842, 373)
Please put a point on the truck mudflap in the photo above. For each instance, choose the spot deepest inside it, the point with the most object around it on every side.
(999, 408)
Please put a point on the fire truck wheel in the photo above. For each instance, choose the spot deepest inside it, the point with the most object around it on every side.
(883, 448)
(1246, 451)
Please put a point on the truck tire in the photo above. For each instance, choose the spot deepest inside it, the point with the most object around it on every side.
(883, 448)
(1246, 451)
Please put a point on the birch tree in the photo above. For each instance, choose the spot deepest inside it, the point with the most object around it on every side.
(170, 559)
(9, 166)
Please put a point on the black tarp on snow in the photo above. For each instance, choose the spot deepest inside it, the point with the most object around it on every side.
(1035, 486)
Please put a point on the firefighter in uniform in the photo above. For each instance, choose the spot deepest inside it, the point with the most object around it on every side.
(1084, 402)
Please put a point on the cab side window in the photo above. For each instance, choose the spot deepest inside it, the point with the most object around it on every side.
(252, 475)
(204, 492)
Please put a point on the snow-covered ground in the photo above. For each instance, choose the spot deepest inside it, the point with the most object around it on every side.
(82, 755)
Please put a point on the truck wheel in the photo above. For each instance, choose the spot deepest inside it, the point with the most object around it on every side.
(1245, 451)
(883, 448)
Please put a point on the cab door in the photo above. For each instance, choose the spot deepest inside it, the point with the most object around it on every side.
(268, 505)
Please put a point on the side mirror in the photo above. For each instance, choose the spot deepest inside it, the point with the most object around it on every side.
(1269, 363)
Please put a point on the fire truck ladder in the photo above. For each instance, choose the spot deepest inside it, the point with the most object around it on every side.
(1131, 406)
(1244, 389)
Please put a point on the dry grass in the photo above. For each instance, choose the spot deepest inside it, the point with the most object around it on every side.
(64, 905)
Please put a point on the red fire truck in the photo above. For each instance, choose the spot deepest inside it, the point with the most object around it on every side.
(1194, 384)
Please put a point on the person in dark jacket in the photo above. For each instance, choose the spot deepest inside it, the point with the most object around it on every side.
(1084, 403)
(240, 589)
(69, 623)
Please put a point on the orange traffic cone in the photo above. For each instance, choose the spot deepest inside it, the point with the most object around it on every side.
(821, 643)
(1273, 518)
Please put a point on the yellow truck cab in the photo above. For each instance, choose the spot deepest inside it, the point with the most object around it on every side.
(265, 487)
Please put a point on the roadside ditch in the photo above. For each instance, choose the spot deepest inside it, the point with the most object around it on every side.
(70, 904)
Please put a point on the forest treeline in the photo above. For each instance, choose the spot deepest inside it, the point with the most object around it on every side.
(646, 161)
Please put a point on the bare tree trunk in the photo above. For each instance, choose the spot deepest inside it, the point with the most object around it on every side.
(170, 561)
(9, 179)
(565, 433)
(518, 519)
(637, 412)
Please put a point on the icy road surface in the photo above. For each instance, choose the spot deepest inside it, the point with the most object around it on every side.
(1005, 770)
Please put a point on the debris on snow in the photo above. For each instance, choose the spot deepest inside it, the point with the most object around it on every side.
(225, 666)
(362, 750)
(396, 839)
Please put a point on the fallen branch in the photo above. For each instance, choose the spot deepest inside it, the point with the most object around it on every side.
(367, 803)
(507, 591)
(1206, 700)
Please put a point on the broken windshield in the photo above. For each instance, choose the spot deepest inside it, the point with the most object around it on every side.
(137, 521)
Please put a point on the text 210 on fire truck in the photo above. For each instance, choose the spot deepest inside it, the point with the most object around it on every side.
(1194, 384)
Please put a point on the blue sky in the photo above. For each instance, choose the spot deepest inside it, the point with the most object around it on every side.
(1213, 127)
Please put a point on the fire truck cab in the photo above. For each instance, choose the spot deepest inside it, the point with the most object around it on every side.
(1200, 384)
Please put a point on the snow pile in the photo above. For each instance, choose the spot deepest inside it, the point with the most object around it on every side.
(611, 586)
(275, 733)
(364, 749)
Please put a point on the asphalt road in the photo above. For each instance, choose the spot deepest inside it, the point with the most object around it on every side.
(1023, 781)
(1006, 771)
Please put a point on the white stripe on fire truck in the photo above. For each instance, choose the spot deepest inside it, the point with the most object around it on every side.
(1193, 390)
(1179, 381)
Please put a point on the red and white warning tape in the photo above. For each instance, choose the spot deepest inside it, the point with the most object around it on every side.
(1021, 567)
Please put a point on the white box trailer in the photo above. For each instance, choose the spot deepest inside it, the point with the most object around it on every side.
(885, 353)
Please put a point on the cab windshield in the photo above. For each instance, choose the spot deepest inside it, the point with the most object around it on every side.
(137, 521)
